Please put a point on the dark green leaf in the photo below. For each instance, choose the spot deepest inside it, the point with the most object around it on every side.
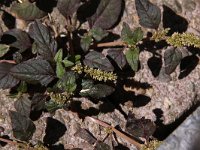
(4, 49)
(21, 39)
(38, 102)
(46, 45)
(68, 7)
(23, 105)
(118, 56)
(33, 71)
(27, 11)
(60, 70)
(102, 146)
(97, 60)
(172, 57)
(107, 14)
(132, 57)
(140, 127)
(98, 33)
(95, 90)
(23, 127)
(6, 79)
(22, 87)
(129, 36)
(59, 55)
(68, 82)
(67, 63)
(149, 14)
(86, 41)
(52, 106)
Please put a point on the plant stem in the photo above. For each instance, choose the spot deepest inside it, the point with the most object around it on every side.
(8, 141)
(112, 44)
(122, 135)
(8, 61)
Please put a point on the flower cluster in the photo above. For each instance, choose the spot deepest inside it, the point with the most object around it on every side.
(96, 74)
(152, 145)
(160, 35)
(59, 98)
(185, 39)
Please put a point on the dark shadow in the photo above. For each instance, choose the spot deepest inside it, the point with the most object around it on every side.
(188, 64)
(141, 100)
(8, 39)
(155, 65)
(7, 3)
(54, 130)
(4, 137)
(152, 46)
(75, 106)
(8, 20)
(163, 131)
(37, 105)
(121, 147)
(46, 5)
(87, 10)
(173, 21)
(35, 115)
(57, 147)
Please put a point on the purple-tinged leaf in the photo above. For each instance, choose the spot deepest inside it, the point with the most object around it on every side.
(27, 11)
(46, 45)
(107, 14)
(6, 79)
(140, 127)
(20, 40)
(172, 58)
(68, 7)
(23, 128)
(149, 14)
(38, 102)
(34, 71)
(118, 56)
(97, 60)
(23, 105)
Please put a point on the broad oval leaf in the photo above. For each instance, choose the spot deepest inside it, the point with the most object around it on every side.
(19, 39)
(97, 60)
(68, 82)
(95, 90)
(46, 45)
(68, 7)
(129, 36)
(149, 14)
(4, 49)
(27, 11)
(86, 41)
(139, 127)
(98, 33)
(33, 71)
(118, 56)
(172, 57)
(23, 105)
(107, 14)
(23, 128)
(132, 57)
(6, 79)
